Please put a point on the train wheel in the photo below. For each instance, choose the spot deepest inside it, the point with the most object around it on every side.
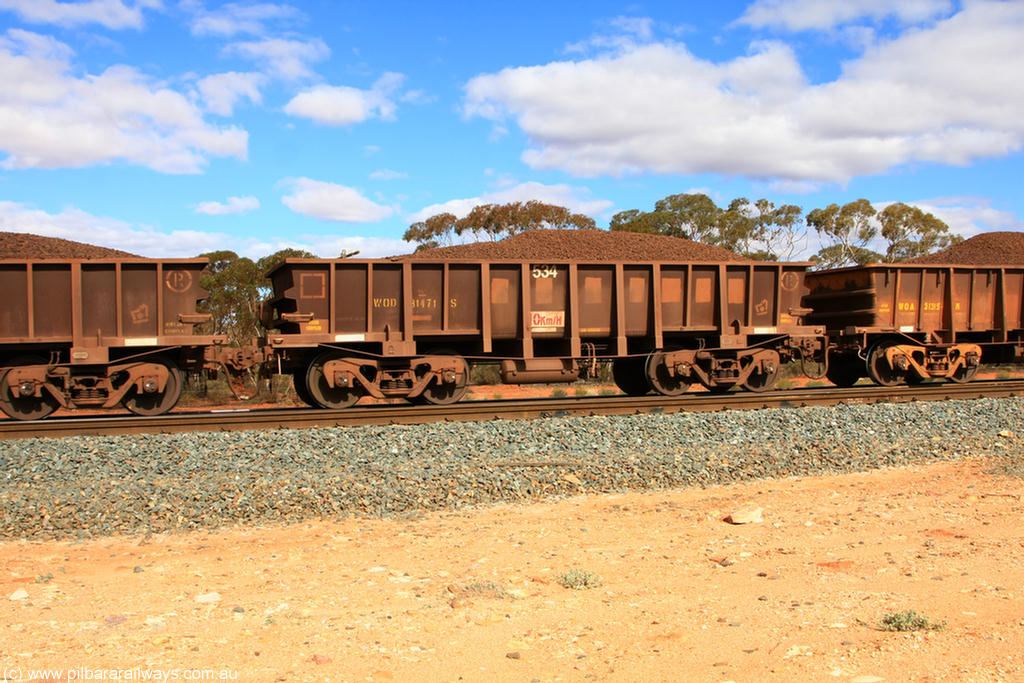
(761, 380)
(879, 369)
(843, 371)
(442, 394)
(302, 389)
(21, 407)
(660, 379)
(964, 374)
(629, 376)
(323, 394)
(151, 403)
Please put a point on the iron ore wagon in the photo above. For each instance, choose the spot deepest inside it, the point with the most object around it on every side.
(98, 333)
(904, 323)
(349, 328)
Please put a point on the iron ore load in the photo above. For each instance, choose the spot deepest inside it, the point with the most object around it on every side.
(101, 333)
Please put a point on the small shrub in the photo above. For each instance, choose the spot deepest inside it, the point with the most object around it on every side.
(484, 373)
(793, 370)
(581, 391)
(559, 393)
(578, 578)
(479, 589)
(910, 621)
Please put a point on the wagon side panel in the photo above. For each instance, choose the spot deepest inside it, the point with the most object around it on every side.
(463, 298)
(1014, 298)
(638, 300)
(351, 313)
(704, 294)
(505, 300)
(596, 297)
(16, 313)
(100, 304)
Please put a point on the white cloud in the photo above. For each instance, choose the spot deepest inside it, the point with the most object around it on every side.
(282, 58)
(802, 15)
(332, 246)
(576, 199)
(341, 105)
(220, 92)
(641, 27)
(947, 94)
(331, 202)
(969, 216)
(388, 174)
(793, 187)
(418, 97)
(626, 33)
(233, 18)
(232, 206)
(80, 226)
(113, 14)
(50, 118)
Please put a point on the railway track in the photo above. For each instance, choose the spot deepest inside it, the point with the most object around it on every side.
(297, 418)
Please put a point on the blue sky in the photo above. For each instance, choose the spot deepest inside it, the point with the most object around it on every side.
(176, 127)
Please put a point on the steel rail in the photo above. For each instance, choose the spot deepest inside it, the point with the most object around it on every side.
(297, 418)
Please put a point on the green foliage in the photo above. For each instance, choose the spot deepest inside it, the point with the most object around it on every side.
(484, 373)
(236, 286)
(692, 216)
(837, 256)
(494, 221)
(579, 578)
(435, 231)
(479, 589)
(909, 621)
(559, 393)
(912, 233)
(759, 231)
(845, 233)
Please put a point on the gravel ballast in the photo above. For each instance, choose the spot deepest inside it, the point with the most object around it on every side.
(89, 486)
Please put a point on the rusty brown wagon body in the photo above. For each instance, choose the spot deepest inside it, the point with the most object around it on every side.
(346, 328)
(99, 333)
(908, 322)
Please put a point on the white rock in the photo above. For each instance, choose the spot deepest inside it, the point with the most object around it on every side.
(20, 594)
(208, 597)
(745, 515)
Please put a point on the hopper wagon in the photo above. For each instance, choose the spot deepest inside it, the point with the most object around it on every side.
(903, 323)
(99, 333)
(346, 328)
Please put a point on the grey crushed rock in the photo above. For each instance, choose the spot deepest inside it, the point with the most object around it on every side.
(89, 486)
